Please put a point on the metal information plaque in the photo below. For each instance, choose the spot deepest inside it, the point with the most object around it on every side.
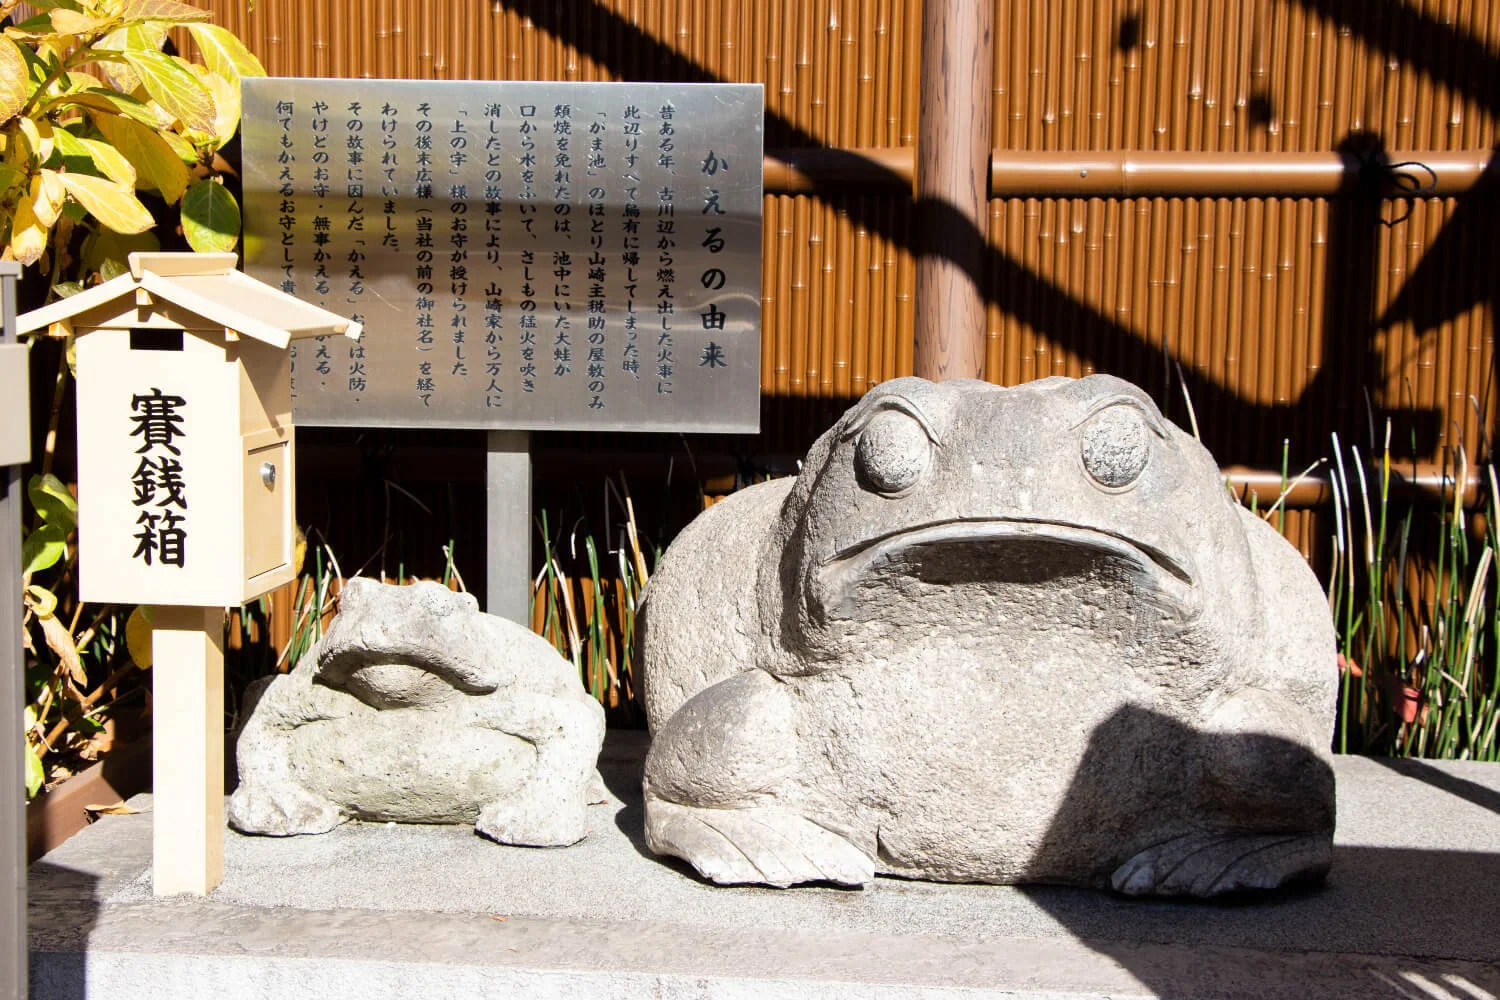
(567, 256)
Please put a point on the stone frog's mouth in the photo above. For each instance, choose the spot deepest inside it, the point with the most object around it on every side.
(1017, 550)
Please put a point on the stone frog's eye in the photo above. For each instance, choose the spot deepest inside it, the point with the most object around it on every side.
(893, 452)
(1116, 444)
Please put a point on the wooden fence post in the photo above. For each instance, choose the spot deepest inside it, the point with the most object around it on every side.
(952, 181)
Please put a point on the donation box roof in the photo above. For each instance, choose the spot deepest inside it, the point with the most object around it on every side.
(207, 285)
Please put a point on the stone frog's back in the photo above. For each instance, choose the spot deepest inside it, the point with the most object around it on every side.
(995, 635)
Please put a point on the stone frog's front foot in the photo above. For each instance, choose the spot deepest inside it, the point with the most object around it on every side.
(1212, 864)
(550, 806)
(1268, 794)
(712, 788)
(269, 798)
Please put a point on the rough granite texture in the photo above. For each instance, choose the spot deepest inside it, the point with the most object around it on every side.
(991, 635)
(418, 708)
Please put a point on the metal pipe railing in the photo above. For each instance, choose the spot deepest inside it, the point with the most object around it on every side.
(1130, 174)
(1425, 481)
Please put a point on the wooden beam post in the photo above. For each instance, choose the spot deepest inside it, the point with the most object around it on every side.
(187, 754)
(953, 169)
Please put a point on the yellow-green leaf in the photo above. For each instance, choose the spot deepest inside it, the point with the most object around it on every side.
(162, 10)
(146, 37)
(106, 101)
(47, 196)
(225, 54)
(172, 85)
(31, 30)
(113, 204)
(184, 149)
(38, 136)
(52, 501)
(111, 50)
(42, 549)
(42, 601)
(226, 108)
(28, 237)
(111, 162)
(210, 217)
(13, 80)
(138, 636)
(75, 154)
(79, 80)
(36, 775)
(104, 157)
(72, 22)
(155, 162)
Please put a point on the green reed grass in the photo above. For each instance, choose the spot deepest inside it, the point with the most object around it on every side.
(585, 603)
(1412, 596)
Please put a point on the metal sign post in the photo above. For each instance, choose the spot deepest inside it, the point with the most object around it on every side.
(507, 506)
(523, 256)
(15, 451)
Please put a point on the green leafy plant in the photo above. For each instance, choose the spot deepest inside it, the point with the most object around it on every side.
(94, 113)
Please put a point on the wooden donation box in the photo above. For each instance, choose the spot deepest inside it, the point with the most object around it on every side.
(185, 452)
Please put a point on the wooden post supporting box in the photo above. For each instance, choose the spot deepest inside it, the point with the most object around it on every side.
(185, 452)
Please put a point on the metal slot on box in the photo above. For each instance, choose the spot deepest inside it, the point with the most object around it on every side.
(266, 525)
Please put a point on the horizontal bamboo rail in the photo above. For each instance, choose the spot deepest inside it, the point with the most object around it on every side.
(1129, 174)
(1425, 482)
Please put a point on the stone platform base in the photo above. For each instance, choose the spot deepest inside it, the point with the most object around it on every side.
(1411, 910)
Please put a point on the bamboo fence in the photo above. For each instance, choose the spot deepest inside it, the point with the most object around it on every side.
(1282, 318)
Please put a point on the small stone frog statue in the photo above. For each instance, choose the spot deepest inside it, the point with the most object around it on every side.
(418, 708)
(992, 635)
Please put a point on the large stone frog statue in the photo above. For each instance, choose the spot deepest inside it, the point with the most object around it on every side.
(991, 635)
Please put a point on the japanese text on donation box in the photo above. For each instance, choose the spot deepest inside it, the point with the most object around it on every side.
(159, 491)
(528, 255)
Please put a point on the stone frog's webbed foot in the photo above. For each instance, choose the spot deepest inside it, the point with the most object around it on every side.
(550, 808)
(767, 845)
(281, 809)
(1209, 864)
(269, 799)
(713, 783)
(544, 812)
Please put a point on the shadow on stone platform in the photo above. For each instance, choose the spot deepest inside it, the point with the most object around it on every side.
(1409, 910)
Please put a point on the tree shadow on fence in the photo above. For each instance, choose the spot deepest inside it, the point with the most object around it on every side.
(631, 53)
